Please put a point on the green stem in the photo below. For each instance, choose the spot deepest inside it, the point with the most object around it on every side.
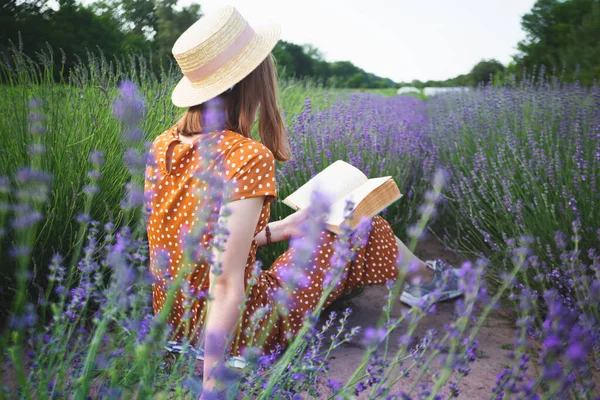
(446, 370)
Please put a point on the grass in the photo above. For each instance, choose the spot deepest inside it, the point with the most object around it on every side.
(520, 200)
(77, 119)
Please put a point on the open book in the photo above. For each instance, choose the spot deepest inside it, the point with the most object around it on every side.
(345, 182)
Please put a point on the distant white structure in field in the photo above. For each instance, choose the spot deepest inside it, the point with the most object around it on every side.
(407, 90)
(432, 91)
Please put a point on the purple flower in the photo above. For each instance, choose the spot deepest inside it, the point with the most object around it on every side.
(134, 160)
(129, 105)
(4, 184)
(560, 239)
(552, 343)
(97, 158)
(28, 175)
(304, 245)
(134, 196)
(334, 385)
(36, 118)
(373, 336)
(576, 353)
(214, 342)
(294, 278)
(26, 219)
(213, 116)
(361, 235)
(133, 134)
(36, 149)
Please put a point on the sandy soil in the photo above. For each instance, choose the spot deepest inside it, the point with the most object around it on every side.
(494, 338)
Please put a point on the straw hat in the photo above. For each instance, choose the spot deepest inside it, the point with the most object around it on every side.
(217, 52)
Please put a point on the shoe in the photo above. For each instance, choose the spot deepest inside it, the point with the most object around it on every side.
(438, 289)
(176, 347)
(236, 362)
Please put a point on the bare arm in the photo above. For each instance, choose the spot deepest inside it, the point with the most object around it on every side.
(227, 289)
(283, 229)
(278, 233)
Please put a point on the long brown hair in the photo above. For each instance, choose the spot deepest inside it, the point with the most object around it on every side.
(256, 92)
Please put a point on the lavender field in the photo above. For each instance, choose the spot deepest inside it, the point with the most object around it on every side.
(506, 177)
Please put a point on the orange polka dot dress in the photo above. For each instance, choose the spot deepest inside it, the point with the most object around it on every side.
(173, 203)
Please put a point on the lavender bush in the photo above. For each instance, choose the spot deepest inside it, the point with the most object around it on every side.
(91, 331)
(524, 162)
(380, 136)
(101, 323)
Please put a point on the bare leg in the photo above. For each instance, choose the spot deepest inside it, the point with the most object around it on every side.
(422, 274)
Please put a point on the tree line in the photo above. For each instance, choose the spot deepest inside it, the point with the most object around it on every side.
(563, 39)
(149, 28)
(563, 36)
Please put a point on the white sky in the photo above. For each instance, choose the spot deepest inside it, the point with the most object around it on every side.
(399, 39)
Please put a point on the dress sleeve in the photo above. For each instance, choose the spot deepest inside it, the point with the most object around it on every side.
(251, 169)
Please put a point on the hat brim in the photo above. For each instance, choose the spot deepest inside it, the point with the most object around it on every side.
(265, 38)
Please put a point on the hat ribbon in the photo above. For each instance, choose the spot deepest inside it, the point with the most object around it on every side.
(223, 58)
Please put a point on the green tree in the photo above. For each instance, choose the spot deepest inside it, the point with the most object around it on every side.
(29, 18)
(119, 27)
(485, 70)
(321, 70)
(296, 62)
(150, 25)
(563, 35)
(356, 81)
(313, 52)
(343, 70)
(417, 83)
(73, 28)
(284, 60)
(77, 29)
(170, 24)
(140, 15)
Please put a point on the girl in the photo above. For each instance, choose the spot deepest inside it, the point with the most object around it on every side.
(229, 77)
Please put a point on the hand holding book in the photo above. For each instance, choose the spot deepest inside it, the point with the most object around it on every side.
(344, 182)
(292, 223)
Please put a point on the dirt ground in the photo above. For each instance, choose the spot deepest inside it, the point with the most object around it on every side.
(495, 337)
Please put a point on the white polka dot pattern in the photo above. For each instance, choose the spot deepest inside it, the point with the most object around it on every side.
(251, 166)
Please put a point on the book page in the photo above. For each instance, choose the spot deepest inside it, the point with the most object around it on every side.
(338, 179)
(336, 216)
